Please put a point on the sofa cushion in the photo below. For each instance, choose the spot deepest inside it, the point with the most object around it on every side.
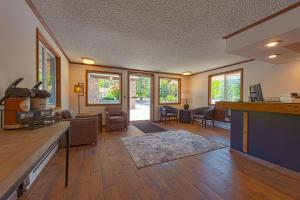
(199, 116)
(171, 114)
(113, 119)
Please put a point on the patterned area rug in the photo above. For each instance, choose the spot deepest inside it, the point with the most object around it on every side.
(149, 127)
(165, 146)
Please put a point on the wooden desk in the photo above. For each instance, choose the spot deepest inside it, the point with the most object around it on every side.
(22, 150)
(267, 130)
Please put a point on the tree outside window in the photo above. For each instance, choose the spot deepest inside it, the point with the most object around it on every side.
(103, 88)
(226, 86)
(169, 91)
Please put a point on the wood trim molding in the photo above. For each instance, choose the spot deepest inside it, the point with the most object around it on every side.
(245, 131)
(179, 91)
(43, 40)
(225, 66)
(152, 94)
(272, 107)
(241, 70)
(293, 6)
(103, 72)
(126, 69)
(44, 24)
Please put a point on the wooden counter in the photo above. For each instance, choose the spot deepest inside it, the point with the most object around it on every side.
(21, 150)
(273, 107)
(266, 130)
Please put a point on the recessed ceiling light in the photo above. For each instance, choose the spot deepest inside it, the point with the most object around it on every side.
(272, 44)
(272, 56)
(186, 73)
(88, 61)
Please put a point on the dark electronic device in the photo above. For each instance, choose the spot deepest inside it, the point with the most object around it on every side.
(256, 93)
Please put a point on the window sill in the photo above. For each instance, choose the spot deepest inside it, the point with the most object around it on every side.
(178, 103)
(114, 104)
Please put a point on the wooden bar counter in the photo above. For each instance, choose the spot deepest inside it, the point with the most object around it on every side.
(267, 130)
(22, 150)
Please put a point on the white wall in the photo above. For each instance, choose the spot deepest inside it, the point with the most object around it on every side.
(275, 80)
(18, 47)
(78, 74)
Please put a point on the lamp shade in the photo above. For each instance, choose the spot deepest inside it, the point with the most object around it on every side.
(78, 89)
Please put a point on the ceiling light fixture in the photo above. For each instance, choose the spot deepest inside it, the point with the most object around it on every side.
(186, 73)
(272, 56)
(272, 44)
(88, 61)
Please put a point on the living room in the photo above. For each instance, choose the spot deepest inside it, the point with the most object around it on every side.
(149, 100)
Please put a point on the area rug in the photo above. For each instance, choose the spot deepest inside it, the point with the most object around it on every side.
(149, 127)
(165, 146)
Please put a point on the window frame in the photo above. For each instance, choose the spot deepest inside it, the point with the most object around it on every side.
(41, 39)
(241, 70)
(179, 91)
(102, 72)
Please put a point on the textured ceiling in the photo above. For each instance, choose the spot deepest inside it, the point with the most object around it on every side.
(161, 35)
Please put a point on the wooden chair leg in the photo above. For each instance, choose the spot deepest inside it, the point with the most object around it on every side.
(205, 123)
(213, 123)
(165, 120)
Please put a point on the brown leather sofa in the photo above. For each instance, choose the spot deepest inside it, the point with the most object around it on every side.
(116, 119)
(82, 130)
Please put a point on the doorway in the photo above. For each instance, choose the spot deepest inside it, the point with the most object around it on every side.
(140, 97)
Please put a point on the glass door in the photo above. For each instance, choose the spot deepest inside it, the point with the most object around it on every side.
(140, 97)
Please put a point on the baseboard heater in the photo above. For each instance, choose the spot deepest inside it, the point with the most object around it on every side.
(33, 174)
(220, 124)
(40, 166)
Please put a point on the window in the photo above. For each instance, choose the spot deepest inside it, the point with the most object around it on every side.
(103, 88)
(169, 91)
(48, 70)
(227, 86)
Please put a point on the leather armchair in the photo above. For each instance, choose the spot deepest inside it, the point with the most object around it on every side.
(168, 112)
(116, 119)
(83, 130)
(204, 114)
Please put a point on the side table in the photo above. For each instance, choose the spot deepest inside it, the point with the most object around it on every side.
(185, 116)
(99, 115)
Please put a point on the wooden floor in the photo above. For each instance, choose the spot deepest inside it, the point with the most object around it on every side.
(106, 171)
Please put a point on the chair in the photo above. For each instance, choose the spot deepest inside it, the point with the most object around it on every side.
(83, 130)
(168, 112)
(116, 119)
(204, 114)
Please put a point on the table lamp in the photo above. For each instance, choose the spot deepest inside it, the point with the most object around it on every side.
(79, 90)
